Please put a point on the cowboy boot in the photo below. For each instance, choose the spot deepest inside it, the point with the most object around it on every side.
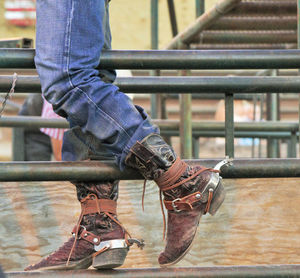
(189, 192)
(98, 238)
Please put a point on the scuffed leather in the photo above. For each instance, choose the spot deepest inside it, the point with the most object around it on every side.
(153, 157)
(98, 224)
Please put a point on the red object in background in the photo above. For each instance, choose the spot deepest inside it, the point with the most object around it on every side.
(20, 12)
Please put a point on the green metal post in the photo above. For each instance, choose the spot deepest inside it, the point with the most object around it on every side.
(186, 141)
(229, 125)
(154, 45)
(273, 116)
(254, 119)
(18, 144)
(200, 7)
(261, 117)
(186, 126)
(196, 144)
(292, 151)
(172, 15)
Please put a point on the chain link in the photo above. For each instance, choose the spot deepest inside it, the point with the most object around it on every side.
(9, 94)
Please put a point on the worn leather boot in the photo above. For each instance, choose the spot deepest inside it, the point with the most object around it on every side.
(98, 238)
(189, 192)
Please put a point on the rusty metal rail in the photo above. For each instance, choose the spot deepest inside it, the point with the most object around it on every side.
(213, 271)
(100, 170)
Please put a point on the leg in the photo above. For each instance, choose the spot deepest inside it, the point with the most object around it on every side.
(70, 37)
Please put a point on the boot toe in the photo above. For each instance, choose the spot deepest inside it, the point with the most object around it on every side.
(163, 259)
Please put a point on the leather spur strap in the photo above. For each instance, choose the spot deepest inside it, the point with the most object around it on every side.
(167, 182)
(185, 203)
(86, 235)
(89, 205)
(92, 204)
(169, 178)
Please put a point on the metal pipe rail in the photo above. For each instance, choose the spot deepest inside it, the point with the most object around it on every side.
(250, 37)
(252, 271)
(242, 46)
(286, 7)
(100, 170)
(269, 129)
(164, 125)
(175, 59)
(255, 23)
(191, 84)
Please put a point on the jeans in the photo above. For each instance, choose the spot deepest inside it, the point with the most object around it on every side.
(70, 37)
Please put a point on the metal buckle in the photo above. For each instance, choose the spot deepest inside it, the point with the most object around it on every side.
(174, 205)
(80, 226)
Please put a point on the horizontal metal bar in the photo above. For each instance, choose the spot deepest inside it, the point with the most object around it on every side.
(283, 271)
(237, 134)
(255, 23)
(264, 8)
(218, 96)
(190, 84)
(99, 170)
(164, 125)
(175, 59)
(241, 46)
(234, 37)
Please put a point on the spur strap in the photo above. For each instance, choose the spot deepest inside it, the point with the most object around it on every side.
(94, 205)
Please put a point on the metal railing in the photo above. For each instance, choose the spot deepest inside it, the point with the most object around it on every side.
(181, 59)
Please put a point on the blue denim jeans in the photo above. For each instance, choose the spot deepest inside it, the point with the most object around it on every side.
(70, 37)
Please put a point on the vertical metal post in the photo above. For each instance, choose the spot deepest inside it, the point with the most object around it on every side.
(154, 45)
(154, 24)
(172, 15)
(298, 41)
(254, 120)
(196, 147)
(18, 144)
(185, 123)
(262, 105)
(185, 126)
(292, 150)
(229, 125)
(273, 116)
(200, 7)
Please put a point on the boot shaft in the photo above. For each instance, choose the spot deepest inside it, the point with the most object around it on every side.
(152, 156)
(98, 223)
(103, 190)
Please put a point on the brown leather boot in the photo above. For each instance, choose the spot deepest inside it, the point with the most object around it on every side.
(98, 238)
(189, 192)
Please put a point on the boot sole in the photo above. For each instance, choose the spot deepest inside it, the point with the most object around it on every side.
(216, 203)
(82, 264)
(111, 258)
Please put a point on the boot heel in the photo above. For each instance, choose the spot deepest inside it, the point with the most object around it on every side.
(110, 258)
(218, 199)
